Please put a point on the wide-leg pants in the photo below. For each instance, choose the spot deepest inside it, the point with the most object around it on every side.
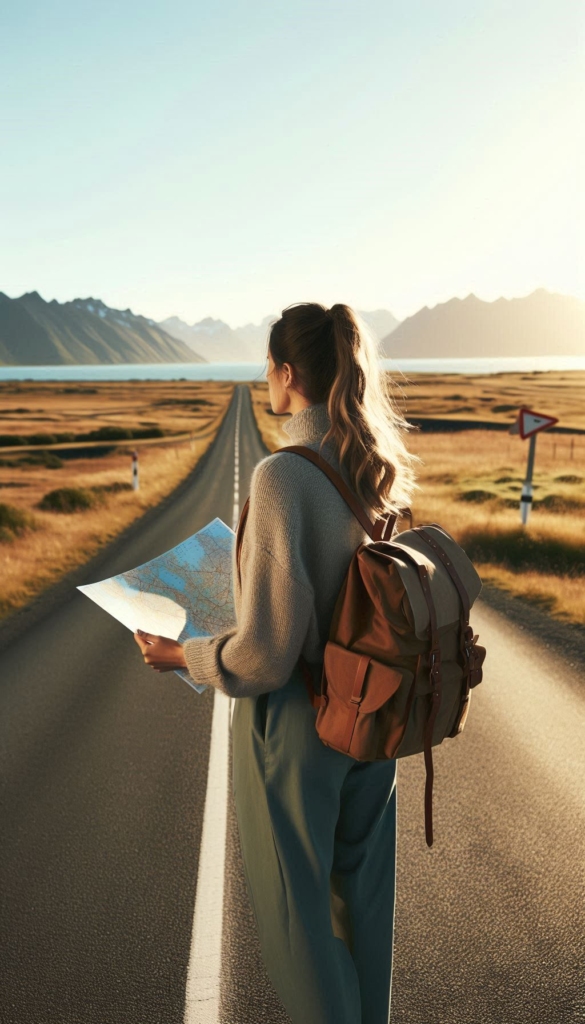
(318, 839)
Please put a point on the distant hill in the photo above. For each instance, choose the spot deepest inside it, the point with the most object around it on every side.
(85, 331)
(381, 321)
(221, 343)
(541, 324)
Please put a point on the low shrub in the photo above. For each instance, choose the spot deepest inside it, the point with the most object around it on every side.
(106, 434)
(47, 459)
(521, 551)
(558, 503)
(477, 497)
(184, 401)
(120, 434)
(147, 432)
(569, 478)
(69, 499)
(41, 439)
(13, 522)
(114, 488)
(11, 440)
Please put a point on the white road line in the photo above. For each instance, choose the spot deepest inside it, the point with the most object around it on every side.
(202, 997)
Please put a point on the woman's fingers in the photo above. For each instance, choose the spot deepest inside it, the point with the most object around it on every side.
(160, 652)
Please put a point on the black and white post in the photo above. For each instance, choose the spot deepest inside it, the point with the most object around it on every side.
(526, 497)
(135, 480)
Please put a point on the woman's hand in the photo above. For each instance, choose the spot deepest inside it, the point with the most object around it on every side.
(160, 652)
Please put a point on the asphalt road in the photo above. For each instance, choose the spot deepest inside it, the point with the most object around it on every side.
(103, 778)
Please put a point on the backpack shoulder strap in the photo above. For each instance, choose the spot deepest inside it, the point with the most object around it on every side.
(378, 530)
(448, 566)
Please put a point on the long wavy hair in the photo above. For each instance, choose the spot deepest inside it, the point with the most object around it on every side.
(335, 358)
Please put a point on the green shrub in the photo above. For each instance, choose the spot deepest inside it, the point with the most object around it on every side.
(69, 499)
(558, 503)
(41, 439)
(114, 488)
(477, 497)
(519, 550)
(111, 433)
(106, 434)
(11, 440)
(184, 401)
(148, 432)
(47, 459)
(13, 522)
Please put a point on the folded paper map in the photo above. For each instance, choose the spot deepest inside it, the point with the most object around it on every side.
(182, 593)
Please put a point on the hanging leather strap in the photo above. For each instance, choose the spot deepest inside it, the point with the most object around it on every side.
(436, 684)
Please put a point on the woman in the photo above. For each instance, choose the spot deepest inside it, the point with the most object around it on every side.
(317, 828)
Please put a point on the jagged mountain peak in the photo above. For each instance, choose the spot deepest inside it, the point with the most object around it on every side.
(35, 332)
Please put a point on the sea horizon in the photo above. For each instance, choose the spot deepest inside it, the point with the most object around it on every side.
(255, 371)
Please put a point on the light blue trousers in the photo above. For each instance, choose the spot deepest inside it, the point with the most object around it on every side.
(318, 839)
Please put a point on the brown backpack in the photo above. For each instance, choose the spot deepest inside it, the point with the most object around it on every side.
(401, 657)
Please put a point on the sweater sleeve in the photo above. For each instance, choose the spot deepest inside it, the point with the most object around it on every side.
(276, 601)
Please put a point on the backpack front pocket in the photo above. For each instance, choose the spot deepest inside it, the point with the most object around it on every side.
(363, 696)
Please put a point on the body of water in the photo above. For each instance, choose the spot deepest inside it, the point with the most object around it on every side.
(255, 371)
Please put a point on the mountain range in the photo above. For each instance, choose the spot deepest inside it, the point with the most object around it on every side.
(541, 324)
(223, 344)
(38, 333)
(86, 331)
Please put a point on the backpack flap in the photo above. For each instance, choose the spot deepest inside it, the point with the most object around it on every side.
(447, 601)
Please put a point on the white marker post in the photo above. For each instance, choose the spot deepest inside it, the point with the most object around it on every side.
(135, 481)
(528, 425)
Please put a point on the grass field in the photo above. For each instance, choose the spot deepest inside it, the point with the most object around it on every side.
(470, 481)
(38, 543)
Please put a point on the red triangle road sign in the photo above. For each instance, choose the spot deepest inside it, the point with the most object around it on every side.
(530, 422)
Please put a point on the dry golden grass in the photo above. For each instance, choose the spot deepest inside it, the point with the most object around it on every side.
(561, 596)
(470, 482)
(29, 407)
(61, 541)
(543, 562)
(494, 397)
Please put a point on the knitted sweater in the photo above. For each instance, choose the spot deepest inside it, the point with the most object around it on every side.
(298, 542)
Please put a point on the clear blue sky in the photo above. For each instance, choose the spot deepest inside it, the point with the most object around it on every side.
(228, 159)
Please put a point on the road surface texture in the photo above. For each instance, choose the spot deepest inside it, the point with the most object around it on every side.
(104, 767)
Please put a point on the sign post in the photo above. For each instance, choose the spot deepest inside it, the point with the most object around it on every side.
(135, 481)
(528, 425)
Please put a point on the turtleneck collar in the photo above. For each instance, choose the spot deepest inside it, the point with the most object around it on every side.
(309, 424)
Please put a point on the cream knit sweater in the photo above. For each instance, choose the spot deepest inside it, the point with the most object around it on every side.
(298, 542)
